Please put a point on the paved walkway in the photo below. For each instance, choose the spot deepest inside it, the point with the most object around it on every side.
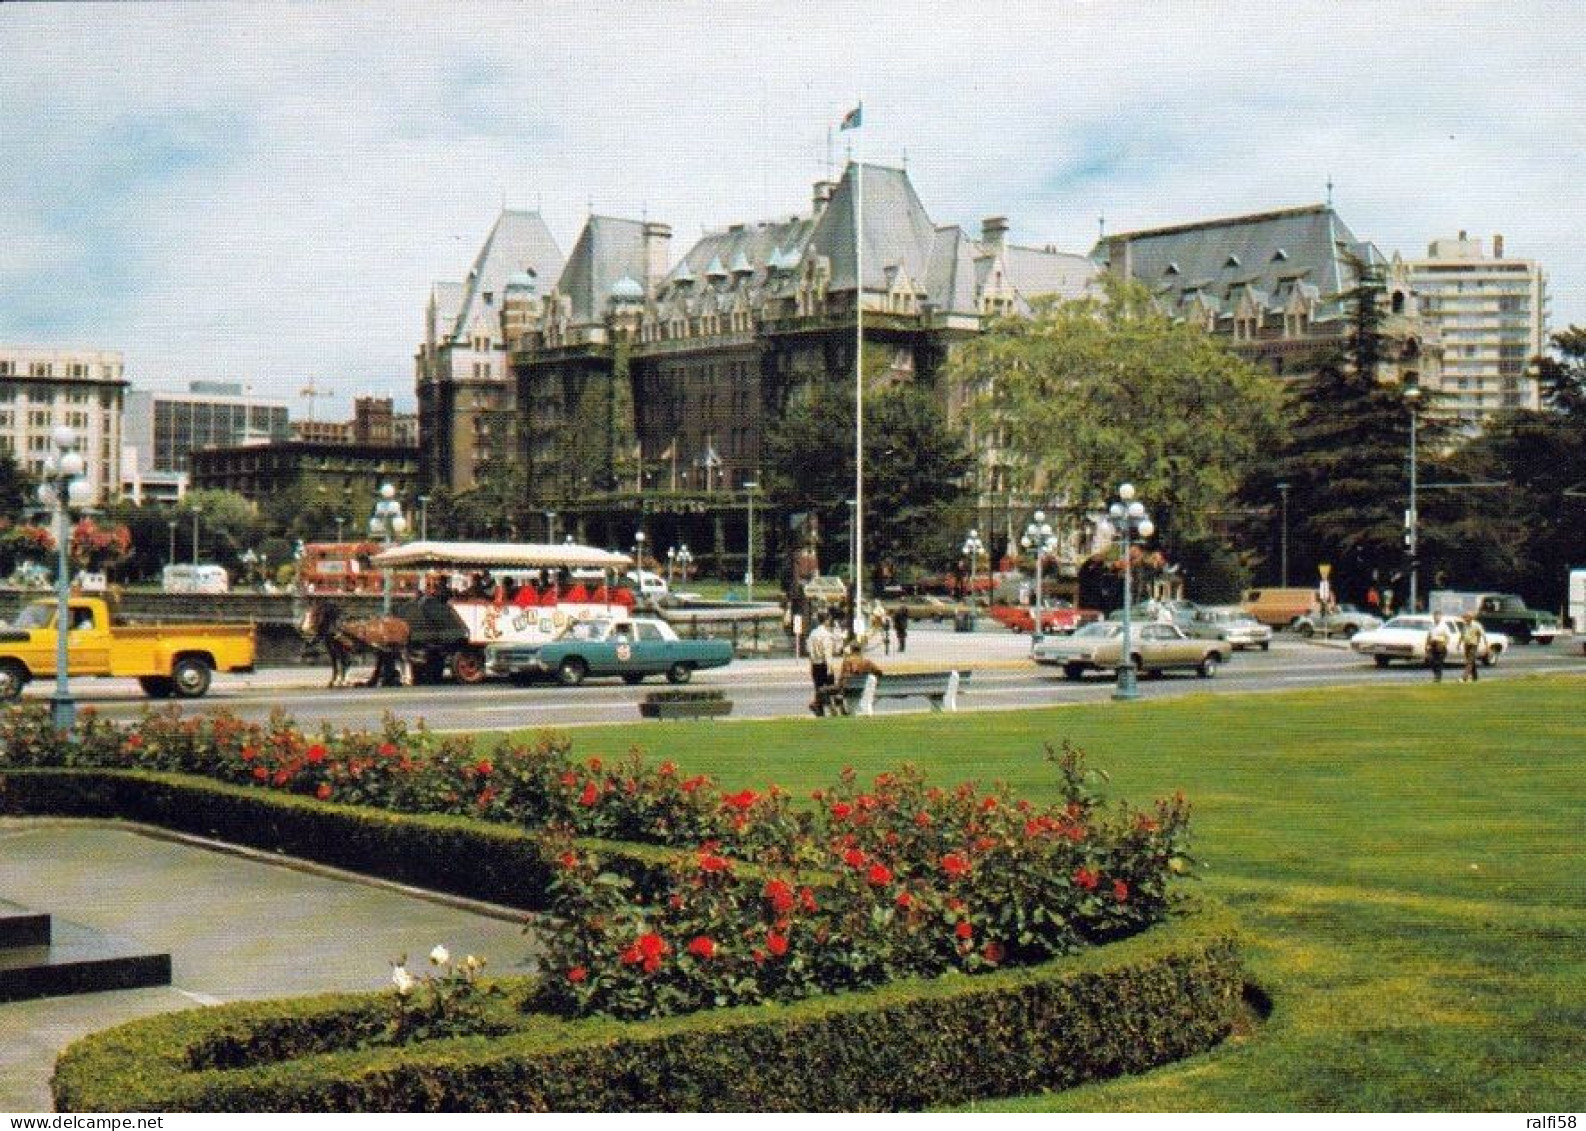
(238, 927)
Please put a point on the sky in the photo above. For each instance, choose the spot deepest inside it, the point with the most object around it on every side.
(265, 193)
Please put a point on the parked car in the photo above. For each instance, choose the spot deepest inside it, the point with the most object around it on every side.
(1230, 623)
(649, 586)
(1404, 638)
(928, 606)
(1345, 621)
(1501, 612)
(631, 649)
(1182, 611)
(1156, 648)
(1059, 616)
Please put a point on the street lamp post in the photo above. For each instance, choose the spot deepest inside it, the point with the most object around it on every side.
(63, 487)
(671, 560)
(973, 548)
(638, 557)
(340, 522)
(195, 534)
(387, 523)
(550, 526)
(1128, 518)
(171, 558)
(424, 518)
(748, 570)
(1283, 568)
(1040, 540)
(1412, 518)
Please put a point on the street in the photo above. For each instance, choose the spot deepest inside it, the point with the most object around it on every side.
(1004, 679)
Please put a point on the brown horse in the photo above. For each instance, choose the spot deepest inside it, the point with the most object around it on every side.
(384, 636)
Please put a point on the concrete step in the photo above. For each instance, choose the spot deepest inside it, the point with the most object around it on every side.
(41, 959)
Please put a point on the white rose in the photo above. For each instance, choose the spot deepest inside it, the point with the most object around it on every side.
(403, 981)
(440, 956)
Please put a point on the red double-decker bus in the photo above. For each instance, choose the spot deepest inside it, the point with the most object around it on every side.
(343, 567)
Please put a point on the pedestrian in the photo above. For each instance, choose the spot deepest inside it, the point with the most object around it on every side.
(822, 650)
(900, 625)
(1437, 641)
(881, 625)
(856, 665)
(1387, 602)
(1471, 637)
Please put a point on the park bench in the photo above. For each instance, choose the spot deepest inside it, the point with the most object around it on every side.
(941, 688)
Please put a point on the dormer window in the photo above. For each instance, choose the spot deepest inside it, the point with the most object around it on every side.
(1231, 261)
(1172, 269)
(1280, 256)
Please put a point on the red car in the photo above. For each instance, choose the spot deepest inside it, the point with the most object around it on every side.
(1060, 618)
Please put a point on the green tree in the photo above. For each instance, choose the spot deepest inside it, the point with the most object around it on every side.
(1087, 394)
(16, 489)
(916, 472)
(228, 524)
(1345, 461)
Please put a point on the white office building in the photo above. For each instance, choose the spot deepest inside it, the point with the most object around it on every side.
(1492, 314)
(43, 387)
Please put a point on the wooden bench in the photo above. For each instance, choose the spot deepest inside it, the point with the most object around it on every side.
(941, 688)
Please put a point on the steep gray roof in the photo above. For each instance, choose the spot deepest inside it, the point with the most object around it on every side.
(520, 241)
(755, 244)
(1267, 253)
(446, 300)
(607, 250)
(1036, 272)
(897, 230)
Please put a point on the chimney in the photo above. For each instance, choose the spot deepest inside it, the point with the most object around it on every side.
(657, 244)
(994, 231)
(823, 196)
(1497, 246)
(1463, 236)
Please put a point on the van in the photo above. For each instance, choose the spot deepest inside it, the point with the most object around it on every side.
(651, 586)
(1278, 607)
(196, 579)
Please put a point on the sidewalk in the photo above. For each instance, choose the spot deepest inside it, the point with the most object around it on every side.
(237, 926)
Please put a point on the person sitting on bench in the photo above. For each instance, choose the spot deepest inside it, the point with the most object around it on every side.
(856, 665)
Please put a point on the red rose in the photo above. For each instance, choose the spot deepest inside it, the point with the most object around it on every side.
(955, 864)
(323, 792)
(741, 801)
(923, 820)
(993, 953)
(282, 777)
(248, 752)
(964, 930)
(261, 774)
(709, 862)
(780, 893)
(879, 874)
(667, 769)
(316, 754)
(854, 858)
(1085, 878)
(133, 740)
(1120, 891)
(702, 946)
(387, 750)
(569, 779)
(841, 810)
(568, 859)
(776, 944)
(590, 794)
(652, 945)
(486, 796)
(578, 974)
(483, 767)
(905, 899)
(807, 899)
(595, 764)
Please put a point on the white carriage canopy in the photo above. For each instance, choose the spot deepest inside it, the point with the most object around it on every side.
(498, 555)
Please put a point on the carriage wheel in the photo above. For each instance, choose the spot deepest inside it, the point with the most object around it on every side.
(468, 665)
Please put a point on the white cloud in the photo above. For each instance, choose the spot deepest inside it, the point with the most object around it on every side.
(274, 188)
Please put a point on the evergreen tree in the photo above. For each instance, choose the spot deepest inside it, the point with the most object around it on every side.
(1346, 464)
(916, 468)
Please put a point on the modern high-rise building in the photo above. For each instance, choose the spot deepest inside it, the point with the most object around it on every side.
(166, 427)
(42, 388)
(1492, 313)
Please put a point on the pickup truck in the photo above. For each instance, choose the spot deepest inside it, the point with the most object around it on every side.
(1499, 612)
(631, 649)
(166, 660)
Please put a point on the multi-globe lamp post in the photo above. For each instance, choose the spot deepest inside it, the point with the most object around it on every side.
(63, 487)
(1042, 542)
(387, 523)
(1129, 520)
(973, 549)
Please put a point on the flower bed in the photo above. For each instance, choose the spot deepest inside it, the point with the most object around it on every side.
(1167, 993)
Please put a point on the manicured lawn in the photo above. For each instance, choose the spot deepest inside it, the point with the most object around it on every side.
(1410, 863)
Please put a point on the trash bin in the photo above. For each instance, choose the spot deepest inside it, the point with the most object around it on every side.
(964, 620)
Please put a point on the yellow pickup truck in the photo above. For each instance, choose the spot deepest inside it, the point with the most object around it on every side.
(166, 660)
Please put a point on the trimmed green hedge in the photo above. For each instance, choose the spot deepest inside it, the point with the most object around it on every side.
(477, 859)
(1167, 993)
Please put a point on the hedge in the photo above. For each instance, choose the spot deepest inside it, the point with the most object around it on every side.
(476, 859)
(1169, 992)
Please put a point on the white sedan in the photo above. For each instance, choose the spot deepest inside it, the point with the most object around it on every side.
(1404, 638)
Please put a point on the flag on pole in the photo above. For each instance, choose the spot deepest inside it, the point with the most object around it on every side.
(854, 118)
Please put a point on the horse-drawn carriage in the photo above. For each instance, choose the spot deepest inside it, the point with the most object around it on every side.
(531, 596)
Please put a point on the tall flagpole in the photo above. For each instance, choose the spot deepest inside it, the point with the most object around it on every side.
(859, 380)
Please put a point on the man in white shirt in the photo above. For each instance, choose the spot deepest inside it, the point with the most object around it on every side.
(1438, 638)
(823, 650)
